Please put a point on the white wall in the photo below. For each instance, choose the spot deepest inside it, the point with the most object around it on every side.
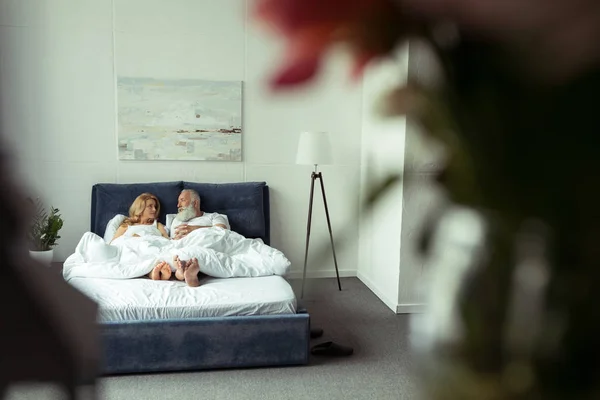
(58, 62)
(421, 195)
(383, 142)
(389, 261)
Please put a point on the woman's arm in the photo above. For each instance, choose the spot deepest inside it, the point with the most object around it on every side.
(162, 230)
(119, 232)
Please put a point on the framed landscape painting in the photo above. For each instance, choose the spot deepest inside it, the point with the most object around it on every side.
(179, 119)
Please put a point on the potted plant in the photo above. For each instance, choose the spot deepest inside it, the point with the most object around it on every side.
(43, 232)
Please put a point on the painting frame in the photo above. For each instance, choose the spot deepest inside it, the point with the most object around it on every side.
(179, 119)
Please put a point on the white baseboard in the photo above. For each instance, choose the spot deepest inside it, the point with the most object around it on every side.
(418, 308)
(392, 304)
(328, 273)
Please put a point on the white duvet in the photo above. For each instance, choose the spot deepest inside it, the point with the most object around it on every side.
(221, 253)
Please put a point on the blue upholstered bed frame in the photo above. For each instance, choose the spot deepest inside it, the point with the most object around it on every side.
(200, 343)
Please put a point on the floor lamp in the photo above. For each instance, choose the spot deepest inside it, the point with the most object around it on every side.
(314, 148)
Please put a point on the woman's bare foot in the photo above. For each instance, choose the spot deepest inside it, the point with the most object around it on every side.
(191, 273)
(165, 271)
(155, 273)
(180, 266)
(162, 271)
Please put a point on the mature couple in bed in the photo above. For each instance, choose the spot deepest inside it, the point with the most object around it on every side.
(142, 246)
(143, 220)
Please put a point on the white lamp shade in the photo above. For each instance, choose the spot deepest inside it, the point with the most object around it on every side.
(314, 148)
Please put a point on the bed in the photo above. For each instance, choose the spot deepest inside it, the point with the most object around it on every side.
(158, 326)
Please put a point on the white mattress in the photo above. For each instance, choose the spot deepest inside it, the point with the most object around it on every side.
(145, 299)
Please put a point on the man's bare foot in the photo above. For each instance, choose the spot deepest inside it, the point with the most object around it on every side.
(191, 273)
(180, 266)
(162, 271)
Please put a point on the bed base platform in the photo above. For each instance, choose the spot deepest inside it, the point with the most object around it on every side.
(205, 343)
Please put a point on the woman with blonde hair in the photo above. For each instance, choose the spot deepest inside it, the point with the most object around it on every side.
(143, 221)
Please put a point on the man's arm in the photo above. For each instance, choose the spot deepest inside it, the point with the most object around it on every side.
(183, 229)
(220, 221)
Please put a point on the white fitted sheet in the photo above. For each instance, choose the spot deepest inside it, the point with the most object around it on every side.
(145, 299)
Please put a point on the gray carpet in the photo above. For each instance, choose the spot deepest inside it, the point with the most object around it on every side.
(380, 367)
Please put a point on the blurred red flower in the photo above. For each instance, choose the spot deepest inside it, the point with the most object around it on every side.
(370, 28)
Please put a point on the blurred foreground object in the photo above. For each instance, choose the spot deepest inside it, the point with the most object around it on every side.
(514, 259)
(370, 29)
(553, 41)
(49, 328)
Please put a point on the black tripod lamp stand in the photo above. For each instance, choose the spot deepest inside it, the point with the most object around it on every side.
(314, 148)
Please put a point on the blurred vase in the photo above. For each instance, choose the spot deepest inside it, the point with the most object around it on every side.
(45, 257)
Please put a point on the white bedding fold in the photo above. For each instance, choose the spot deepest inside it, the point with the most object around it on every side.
(221, 253)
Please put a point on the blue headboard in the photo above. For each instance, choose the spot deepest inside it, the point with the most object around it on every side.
(246, 204)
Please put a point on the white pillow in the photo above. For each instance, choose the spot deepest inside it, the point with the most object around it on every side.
(169, 221)
(112, 226)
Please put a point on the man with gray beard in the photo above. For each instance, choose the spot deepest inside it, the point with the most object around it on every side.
(190, 217)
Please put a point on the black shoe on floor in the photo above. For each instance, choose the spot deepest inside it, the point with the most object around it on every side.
(331, 349)
(316, 333)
